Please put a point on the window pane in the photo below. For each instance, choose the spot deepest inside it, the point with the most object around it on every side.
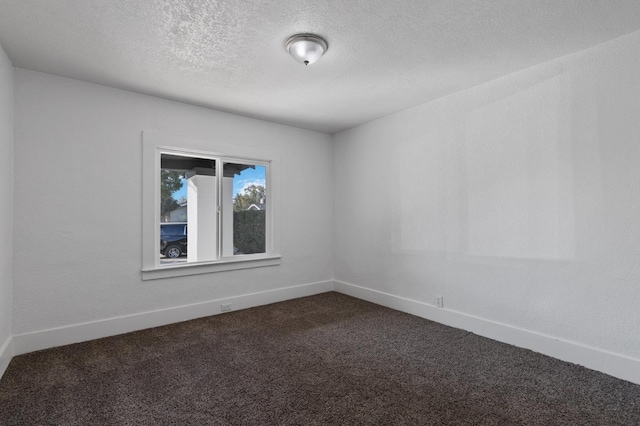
(188, 209)
(244, 209)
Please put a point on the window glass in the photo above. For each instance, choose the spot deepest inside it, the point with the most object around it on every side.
(196, 224)
(244, 203)
(187, 196)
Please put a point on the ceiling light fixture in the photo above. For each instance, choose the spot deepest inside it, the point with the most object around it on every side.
(306, 48)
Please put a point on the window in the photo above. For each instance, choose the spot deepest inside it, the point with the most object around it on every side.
(206, 210)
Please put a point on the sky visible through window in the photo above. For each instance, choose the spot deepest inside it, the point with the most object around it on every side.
(245, 179)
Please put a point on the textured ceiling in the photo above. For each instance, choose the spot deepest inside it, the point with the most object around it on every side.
(384, 56)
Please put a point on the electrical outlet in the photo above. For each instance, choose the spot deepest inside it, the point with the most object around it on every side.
(225, 307)
(440, 301)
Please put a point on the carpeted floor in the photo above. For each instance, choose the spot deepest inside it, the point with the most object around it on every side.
(322, 360)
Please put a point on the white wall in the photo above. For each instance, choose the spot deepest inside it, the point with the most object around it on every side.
(518, 201)
(6, 207)
(78, 202)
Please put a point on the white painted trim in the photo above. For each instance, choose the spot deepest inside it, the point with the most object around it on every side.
(181, 270)
(44, 339)
(153, 144)
(6, 353)
(616, 365)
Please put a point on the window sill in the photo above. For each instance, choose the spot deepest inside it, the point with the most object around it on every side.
(208, 267)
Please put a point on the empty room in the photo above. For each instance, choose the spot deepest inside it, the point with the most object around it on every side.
(320, 212)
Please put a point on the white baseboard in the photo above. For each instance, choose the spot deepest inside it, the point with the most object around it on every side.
(6, 353)
(45, 339)
(616, 365)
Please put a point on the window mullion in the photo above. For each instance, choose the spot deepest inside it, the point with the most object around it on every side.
(219, 201)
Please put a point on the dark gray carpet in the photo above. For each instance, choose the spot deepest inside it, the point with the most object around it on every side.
(327, 359)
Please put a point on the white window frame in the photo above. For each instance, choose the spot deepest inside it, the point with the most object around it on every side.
(153, 145)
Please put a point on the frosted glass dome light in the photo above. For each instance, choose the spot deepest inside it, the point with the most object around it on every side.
(306, 48)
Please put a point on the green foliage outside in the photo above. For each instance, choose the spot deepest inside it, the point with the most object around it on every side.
(249, 231)
(253, 194)
(169, 183)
